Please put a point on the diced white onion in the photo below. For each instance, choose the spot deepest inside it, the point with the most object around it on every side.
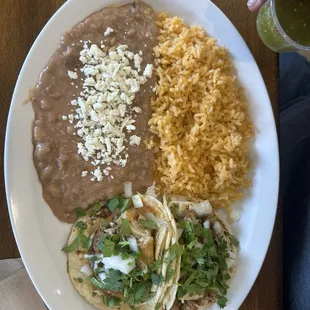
(86, 270)
(235, 215)
(127, 189)
(133, 245)
(217, 227)
(117, 263)
(202, 208)
(102, 276)
(232, 254)
(199, 245)
(230, 262)
(206, 224)
(137, 201)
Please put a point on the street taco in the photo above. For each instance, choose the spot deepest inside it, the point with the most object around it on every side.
(116, 253)
(208, 254)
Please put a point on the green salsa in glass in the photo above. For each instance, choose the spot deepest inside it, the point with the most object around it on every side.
(284, 25)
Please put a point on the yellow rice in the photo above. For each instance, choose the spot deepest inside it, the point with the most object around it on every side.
(200, 117)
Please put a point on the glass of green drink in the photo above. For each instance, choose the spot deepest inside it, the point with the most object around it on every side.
(284, 25)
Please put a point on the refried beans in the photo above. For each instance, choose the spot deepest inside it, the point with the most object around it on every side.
(55, 156)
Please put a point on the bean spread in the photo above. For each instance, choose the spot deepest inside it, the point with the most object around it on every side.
(59, 166)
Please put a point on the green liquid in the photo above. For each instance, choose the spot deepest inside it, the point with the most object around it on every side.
(294, 17)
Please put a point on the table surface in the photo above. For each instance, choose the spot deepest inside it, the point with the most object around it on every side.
(21, 21)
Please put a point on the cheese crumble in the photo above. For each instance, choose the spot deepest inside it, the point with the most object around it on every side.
(104, 110)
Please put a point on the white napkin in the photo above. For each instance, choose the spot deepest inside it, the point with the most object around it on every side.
(16, 289)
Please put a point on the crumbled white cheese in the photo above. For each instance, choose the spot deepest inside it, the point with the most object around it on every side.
(64, 117)
(84, 173)
(148, 71)
(103, 109)
(137, 61)
(137, 109)
(108, 31)
(117, 263)
(135, 140)
(72, 75)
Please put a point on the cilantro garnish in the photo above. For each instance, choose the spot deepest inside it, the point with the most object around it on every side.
(148, 224)
(113, 203)
(123, 203)
(222, 301)
(123, 243)
(79, 212)
(118, 202)
(94, 209)
(125, 227)
(86, 242)
(234, 241)
(73, 246)
(108, 248)
(80, 280)
(174, 251)
(203, 268)
(80, 225)
(169, 274)
(155, 279)
(94, 258)
(111, 301)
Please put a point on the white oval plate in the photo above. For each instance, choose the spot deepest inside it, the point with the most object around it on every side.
(40, 235)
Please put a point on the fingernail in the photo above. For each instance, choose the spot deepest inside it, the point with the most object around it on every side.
(251, 3)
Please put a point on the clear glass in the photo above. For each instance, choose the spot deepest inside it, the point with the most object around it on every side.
(271, 32)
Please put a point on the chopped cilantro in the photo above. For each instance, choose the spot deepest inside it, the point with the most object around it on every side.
(125, 255)
(108, 248)
(94, 209)
(222, 301)
(234, 241)
(112, 281)
(113, 203)
(123, 243)
(111, 301)
(169, 274)
(73, 246)
(98, 270)
(203, 268)
(80, 280)
(192, 244)
(94, 258)
(155, 279)
(148, 224)
(100, 243)
(79, 212)
(174, 251)
(125, 227)
(86, 242)
(97, 284)
(139, 292)
(156, 265)
(123, 203)
(80, 225)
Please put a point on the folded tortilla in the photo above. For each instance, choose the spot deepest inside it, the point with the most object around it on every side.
(152, 246)
(183, 208)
